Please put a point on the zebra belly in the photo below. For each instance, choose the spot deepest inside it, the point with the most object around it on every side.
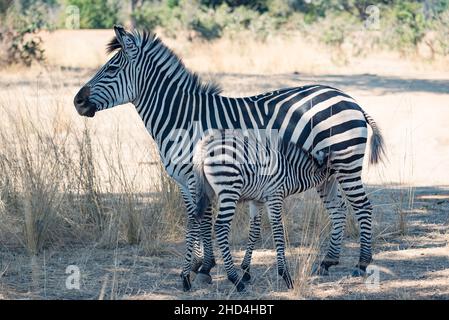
(263, 188)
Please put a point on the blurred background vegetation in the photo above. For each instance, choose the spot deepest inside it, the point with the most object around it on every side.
(362, 26)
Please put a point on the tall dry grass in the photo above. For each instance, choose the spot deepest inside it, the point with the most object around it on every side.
(308, 227)
(63, 185)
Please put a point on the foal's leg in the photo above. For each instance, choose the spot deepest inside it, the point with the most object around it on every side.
(274, 208)
(255, 210)
(227, 204)
(206, 237)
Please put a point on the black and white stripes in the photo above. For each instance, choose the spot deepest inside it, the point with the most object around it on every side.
(232, 166)
(177, 109)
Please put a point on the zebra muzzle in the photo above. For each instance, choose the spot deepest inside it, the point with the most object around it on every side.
(82, 104)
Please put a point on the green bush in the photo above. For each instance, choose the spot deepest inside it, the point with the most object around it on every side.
(241, 18)
(411, 24)
(335, 28)
(256, 5)
(19, 39)
(236, 20)
(97, 14)
(171, 15)
(149, 17)
(206, 25)
(441, 29)
(435, 8)
(405, 26)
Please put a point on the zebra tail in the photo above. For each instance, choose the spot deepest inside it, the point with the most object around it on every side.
(377, 141)
(201, 198)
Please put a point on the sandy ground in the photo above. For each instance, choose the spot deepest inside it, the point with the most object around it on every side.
(412, 109)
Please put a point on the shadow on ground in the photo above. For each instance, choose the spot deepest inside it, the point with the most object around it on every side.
(256, 84)
(380, 85)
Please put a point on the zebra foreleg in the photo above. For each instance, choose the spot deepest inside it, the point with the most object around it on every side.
(255, 210)
(193, 260)
(192, 237)
(274, 209)
(330, 194)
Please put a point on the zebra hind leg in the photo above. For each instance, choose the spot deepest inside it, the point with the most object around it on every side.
(254, 234)
(356, 196)
(274, 208)
(330, 194)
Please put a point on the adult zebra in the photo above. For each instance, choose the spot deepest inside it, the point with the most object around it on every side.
(177, 108)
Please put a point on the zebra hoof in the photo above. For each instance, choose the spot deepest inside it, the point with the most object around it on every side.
(203, 278)
(186, 285)
(320, 271)
(288, 282)
(197, 265)
(240, 287)
(286, 276)
(357, 272)
(246, 277)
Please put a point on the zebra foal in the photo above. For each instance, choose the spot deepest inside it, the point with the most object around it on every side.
(232, 167)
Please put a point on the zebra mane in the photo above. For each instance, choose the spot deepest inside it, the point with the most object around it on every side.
(113, 45)
(149, 39)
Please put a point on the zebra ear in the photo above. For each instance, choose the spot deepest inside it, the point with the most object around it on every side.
(126, 41)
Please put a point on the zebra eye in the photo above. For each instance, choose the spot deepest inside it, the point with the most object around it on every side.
(112, 69)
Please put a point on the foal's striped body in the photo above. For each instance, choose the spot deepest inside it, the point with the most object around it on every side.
(232, 166)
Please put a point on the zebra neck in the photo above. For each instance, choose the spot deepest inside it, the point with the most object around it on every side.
(172, 117)
(165, 109)
(167, 91)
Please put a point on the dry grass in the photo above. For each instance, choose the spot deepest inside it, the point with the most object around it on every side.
(61, 183)
(308, 219)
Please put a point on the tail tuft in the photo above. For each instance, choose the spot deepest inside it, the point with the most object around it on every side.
(377, 141)
(377, 147)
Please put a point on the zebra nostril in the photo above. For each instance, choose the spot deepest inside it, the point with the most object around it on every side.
(79, 101)
(82, 97)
